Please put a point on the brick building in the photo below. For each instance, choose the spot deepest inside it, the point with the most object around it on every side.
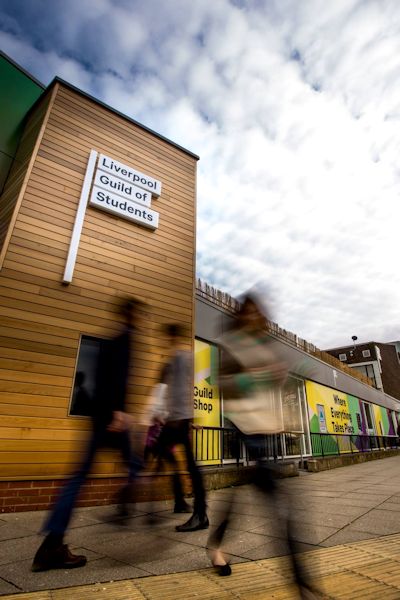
(378, 361)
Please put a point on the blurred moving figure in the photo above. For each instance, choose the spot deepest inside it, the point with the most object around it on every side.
(251, 379)
(111, 425)
(177, 375)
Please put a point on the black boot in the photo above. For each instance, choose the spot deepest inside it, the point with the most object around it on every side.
(195, 523)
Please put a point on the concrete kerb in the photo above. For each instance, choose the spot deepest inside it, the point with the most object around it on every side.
(315, 465)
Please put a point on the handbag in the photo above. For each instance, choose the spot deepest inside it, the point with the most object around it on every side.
(153, 434)
(258, 410)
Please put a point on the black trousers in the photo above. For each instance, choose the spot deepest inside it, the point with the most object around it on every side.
(172, 434)
(59, 518)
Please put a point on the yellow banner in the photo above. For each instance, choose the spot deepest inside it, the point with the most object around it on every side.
(207, 403)
(330, 411)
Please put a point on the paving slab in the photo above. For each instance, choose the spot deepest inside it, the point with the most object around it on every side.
(7, 588)
(101, 569)
(141, 548)
(365, 499)
(346, 536)
(9, 531)
(352, 505)
(390, 505)
(355, 571)
(378, 521)
(14, 550)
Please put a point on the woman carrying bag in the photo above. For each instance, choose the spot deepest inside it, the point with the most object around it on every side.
(251, 379)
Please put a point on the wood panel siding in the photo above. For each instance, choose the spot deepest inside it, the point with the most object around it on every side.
(42, 320)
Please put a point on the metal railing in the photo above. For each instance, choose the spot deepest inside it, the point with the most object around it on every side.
(327, 444)
(218, 445)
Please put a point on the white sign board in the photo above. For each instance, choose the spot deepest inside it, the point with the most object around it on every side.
(113, 167)
(124, 208)
(117, 189)
(122, 188)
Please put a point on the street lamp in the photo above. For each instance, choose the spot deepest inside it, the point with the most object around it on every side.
(354, 338)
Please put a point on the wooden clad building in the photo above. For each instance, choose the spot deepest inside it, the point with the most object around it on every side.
(45, 318)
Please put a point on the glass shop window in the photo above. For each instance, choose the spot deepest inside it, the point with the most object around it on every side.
(291, 406)
(84, 386)
(367, 370)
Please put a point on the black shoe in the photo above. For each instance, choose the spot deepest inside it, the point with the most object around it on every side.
(182, 507)
(59, 557)
(194, 524)
(223, 570)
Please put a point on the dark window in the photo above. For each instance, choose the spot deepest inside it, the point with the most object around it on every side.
(85, 376)
(359, 421)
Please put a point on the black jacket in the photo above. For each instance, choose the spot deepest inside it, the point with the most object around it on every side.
(112, 378)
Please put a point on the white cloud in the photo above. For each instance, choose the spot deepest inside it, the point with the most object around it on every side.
(294, 110)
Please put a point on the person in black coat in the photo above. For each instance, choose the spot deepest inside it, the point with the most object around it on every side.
(111, 425)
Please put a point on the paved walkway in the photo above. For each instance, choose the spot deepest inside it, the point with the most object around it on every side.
(368, 570)
(347, 525)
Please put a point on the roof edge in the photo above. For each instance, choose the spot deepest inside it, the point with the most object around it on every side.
(121, 114)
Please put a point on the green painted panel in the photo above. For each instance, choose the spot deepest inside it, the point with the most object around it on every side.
(5, 165)
(354, 410)
(18, 93)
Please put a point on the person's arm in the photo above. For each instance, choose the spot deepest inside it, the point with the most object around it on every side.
(120, 421)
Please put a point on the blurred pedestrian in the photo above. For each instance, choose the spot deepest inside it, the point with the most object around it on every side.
(178, 375)
(156, 417)
(111, 428)
(251, 378)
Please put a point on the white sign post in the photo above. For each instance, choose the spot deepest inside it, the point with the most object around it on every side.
(80, 215)
(117, 189)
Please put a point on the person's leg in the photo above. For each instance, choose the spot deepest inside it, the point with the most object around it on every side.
(134, 464)
(168, 439)
(53, 553)
(60, 516)
(216, 537)
(266, 480)
(199, 518)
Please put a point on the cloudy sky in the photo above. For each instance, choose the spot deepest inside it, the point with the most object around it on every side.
(294, 109)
